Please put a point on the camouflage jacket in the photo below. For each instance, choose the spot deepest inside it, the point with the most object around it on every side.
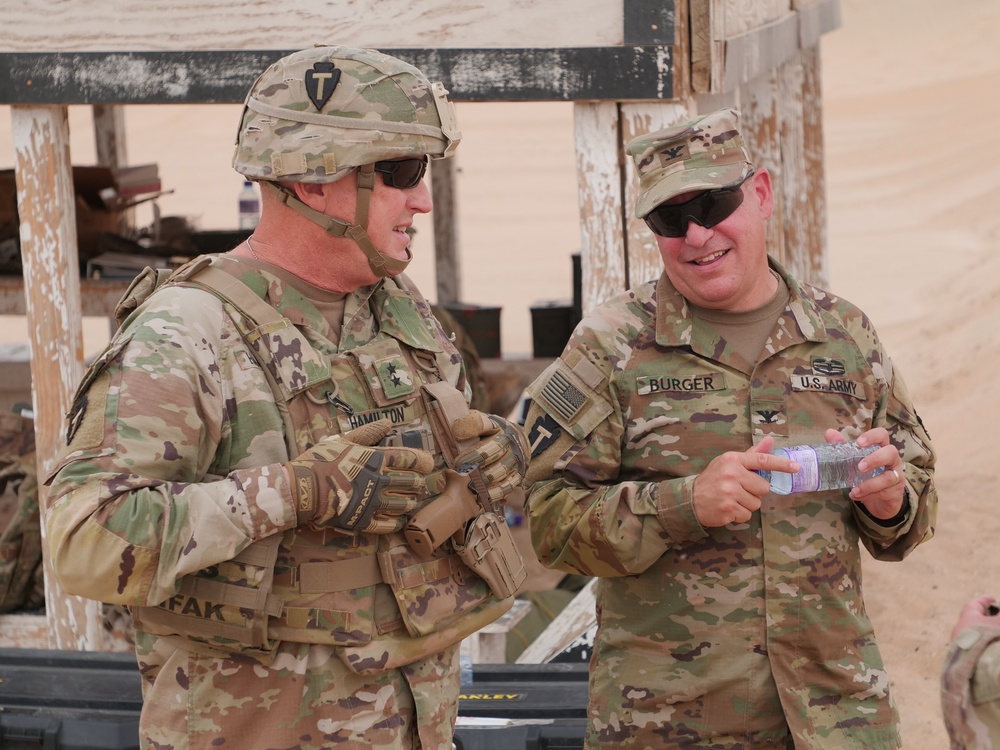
(970, 689)
(750, 635)
(174, 471)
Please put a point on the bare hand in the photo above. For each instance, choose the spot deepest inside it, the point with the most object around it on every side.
(729, 490)
(976, 612)
(881, 495)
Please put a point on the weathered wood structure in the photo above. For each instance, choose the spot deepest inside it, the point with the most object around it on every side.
(629, 66)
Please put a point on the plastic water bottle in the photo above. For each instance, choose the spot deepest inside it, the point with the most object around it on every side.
(249, 206)
(465, 669)
(827, 466)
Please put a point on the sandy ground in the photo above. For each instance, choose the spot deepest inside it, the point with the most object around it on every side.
(911, 100)
(914, 232)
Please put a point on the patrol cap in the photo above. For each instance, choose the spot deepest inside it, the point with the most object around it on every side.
(314, 115)
(702, 153)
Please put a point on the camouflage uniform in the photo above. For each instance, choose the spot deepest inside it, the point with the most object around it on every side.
(970, 689)
(175, 468)
(254, 628)
(750, 635)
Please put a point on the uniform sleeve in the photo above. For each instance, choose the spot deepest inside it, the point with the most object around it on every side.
(155, 484)
(907, 432)
(584, 517)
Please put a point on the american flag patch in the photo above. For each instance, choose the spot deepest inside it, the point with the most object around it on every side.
(564, 397)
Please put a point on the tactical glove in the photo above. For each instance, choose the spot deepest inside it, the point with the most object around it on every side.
(349, 483)
(500, 453)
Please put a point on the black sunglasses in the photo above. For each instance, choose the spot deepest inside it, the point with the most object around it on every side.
(402, 173)
(706, 209)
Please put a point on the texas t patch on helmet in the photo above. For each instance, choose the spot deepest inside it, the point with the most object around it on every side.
(315, 114)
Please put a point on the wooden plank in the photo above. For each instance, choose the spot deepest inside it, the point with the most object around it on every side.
(734, 41)
(742, 16)
(702, 48)
(215, 77)
(782, 115)
(130, 25)
(759, 51)
(599, 165)
(647, 22)
(816, 17)
(759, 109)
(46, 207)
(576, 618)
(804, 187)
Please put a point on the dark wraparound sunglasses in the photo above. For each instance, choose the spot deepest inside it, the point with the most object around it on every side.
(402, 173)
(706, 209)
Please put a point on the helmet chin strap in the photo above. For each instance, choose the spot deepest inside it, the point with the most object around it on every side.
(381, 264)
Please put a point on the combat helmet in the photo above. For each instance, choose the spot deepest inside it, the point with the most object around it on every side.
(318, 114)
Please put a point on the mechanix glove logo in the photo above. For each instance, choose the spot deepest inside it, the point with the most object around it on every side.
(321, 80)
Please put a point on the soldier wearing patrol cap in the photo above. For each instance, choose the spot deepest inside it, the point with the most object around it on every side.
(246, 458)
(728, 616)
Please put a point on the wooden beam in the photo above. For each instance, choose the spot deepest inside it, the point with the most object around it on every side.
(215, 77)
(46, 206)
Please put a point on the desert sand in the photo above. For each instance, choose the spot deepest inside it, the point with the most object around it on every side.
(911, 100)
(913, 237)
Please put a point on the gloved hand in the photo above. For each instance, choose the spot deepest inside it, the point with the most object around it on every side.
(501, 454)
(347, 482)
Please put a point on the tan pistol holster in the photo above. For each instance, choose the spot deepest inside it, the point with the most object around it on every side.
(476, 526)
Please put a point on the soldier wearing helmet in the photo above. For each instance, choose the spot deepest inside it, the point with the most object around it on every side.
(318, 116)
(246, 459)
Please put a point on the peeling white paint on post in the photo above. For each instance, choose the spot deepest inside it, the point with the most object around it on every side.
(598, 164)
(644, 261)
(46, 206)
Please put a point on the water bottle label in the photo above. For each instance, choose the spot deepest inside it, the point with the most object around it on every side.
(807, 478)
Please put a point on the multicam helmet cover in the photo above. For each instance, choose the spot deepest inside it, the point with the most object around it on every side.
(314, 115)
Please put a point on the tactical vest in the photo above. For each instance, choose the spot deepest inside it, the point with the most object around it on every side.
(370, 595)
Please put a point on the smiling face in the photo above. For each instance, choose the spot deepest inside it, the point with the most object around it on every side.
(725, 267)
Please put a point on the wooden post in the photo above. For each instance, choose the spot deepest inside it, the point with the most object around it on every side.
(617, 250)
(598, 168)
(109, 139)
(46, 206)
(446, 251)
(109, 135)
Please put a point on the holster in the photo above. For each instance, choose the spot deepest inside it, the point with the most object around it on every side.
(490, 551)
(484, 542)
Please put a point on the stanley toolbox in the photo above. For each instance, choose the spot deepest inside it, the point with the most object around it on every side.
(530, 706)
(84, 700)
(68, 700)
